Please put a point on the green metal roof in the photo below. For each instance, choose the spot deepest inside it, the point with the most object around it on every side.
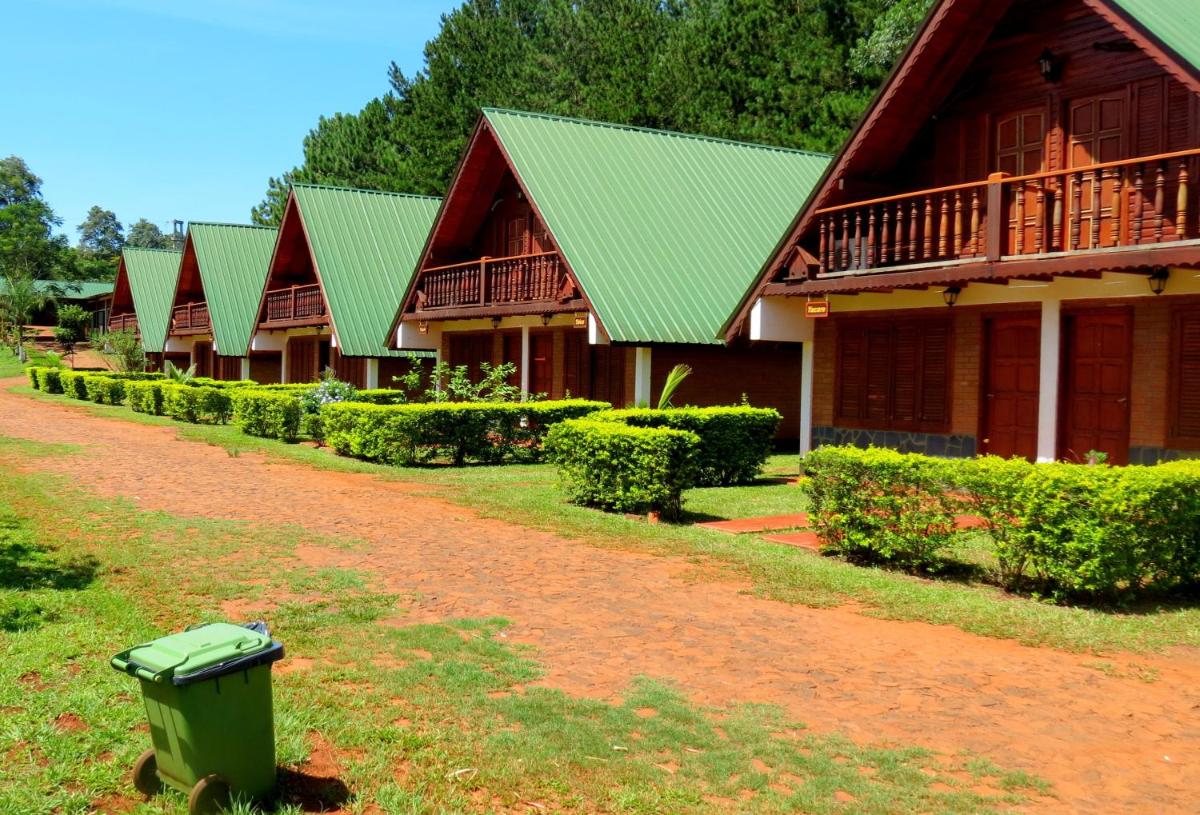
(234, 260)
(664, 231)
(152, 277)
(1175, 22)
(68, 289)
(365, 245)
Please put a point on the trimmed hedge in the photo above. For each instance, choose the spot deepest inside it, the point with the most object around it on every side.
(269, 413)
(50, 380)
(381, 396)
(618, 467)
(104, 390)
(145, 396)
(1062, 530)
(486, 432)
(74, 384)
(734, 441)
(34, 372)
(196, 403)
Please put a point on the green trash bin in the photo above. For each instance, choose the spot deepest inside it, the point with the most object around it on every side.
(208, 700)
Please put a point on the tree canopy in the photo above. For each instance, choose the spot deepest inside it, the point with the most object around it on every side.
(29, 249)
(794, 73)
(101, 238)
(145, 234)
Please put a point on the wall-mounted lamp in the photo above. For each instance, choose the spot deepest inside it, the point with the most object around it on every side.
(496, 322)
(950, 295)
(423, 326)
(546, 319)
(1158, 279)
(1050, 66)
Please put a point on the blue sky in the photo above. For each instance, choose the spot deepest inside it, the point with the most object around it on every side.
(165, 109)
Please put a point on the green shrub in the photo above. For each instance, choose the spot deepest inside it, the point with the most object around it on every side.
(134, 376)
(105, 390)
(196, 403)
(270, 414)
(50, 381)
(734, 441)
(74, 384)
(485, 432)
(623, 468)
(34, 372)
(991, 488)
(881, 506)
(145, 396)
(381, 396)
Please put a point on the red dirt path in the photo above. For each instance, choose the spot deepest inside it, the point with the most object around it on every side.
(600, 617)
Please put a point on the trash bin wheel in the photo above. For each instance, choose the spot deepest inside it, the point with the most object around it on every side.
(145, 774)
(209, 796)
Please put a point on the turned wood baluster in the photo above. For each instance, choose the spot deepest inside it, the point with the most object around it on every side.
(975, 220)
(1160, 183)
(1076, 205)
(845, 259)
(885, 239)
(1139, 212)
(912, 230)
(1097, 178)
(1118, 181)
(1018, 191)
(870, 238)
(822, 258)
(958, 234)
(927, 240)
(1057, 239)
(944, 227)
(1039, 217)
(857, 256)
(1181, 201)
(898, 233)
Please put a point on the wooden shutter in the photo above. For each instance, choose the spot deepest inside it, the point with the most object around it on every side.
(851, 372)
(1185, 379)
(935, 375)
(517, 234)
(879, 376)
(905, 374)
(894, 375)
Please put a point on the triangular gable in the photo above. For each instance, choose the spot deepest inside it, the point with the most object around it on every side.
(934, 63)
(147, 278)
(361, 247)
(231, 261)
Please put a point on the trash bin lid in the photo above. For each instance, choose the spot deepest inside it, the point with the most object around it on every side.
(199, 653)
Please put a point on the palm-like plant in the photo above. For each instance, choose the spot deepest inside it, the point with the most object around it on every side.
(674, 379)
(178, 375)
(19, 299)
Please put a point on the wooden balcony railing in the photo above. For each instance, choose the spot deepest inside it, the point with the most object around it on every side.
(493, 281)
(295, 304)
(190, 317)
(123, 322)
(1099, 207)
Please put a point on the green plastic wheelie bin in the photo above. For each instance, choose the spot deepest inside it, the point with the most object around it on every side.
(208, 700)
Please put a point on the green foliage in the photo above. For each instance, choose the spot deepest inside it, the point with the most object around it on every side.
(73, 322)
(443, 383)
(101, 238)
(74, 384)
(991, 489)
(34, 372)
(145, 234)
(29, 248)
(123, 348)
(19, 299)
(329, 390)
(105, 390)
(873, 55)
(622, 468)
(269, 414)
(173, 373)
(145, 396)
(734, 441)
(49, 380)
(196, 403)
(407, 434)
(674, 379)
(882, 507)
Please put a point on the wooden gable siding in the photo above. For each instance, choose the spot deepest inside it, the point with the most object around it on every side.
(963, 141)
(292, 264)
(511, 228)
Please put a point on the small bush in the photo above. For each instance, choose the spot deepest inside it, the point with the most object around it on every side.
(74, 384)
(105, 390)
(145, 396)
(734, 441)
(327, 392)
(34, 373)
(617, 467)
(991, 490)
(50, 380)
(270, 414)
(881, 506)
(381, 396)
(196, 403)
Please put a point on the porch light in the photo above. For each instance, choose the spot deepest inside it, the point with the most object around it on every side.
(495, 322)
(423, 326)
(950, 295)
(1158, 279)
(546, 319)
(1049, 66)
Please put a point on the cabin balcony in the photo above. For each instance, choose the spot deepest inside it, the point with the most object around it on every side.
(521, 284)
(1051, 216)
(123, 322)
(191, 318)
(294, 306)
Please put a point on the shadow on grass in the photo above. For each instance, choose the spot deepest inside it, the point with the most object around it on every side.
(311, 793)
(24, 566)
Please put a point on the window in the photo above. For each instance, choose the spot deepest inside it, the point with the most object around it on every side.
(894, 374)
(1185, 380)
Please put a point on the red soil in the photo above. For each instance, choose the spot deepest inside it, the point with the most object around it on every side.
(601, 617)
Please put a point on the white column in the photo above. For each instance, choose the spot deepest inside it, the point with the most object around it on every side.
(524, 372)
(283, 377)
(806, 397)
(372, 373)
(1047, 438)
(641, 376)
(245, 368)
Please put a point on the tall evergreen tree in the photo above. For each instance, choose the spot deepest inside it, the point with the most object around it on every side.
(145, 234)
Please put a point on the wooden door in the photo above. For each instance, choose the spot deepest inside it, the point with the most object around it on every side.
(1010, 405)
(541, 362)
(512, 355)
(303, 359)
(575, 364)
(1095, 409)
(1021, 150)
(1095, 134)
(202, 358)
(470, 350)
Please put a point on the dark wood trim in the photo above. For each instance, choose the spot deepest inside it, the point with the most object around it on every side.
(321, 321)
(484, 312)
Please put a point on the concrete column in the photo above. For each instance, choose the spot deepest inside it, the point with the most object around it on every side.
(245, 368)
(806, 397)
(372, 373)
(524, 372)
(641, 376)
(1047, 438)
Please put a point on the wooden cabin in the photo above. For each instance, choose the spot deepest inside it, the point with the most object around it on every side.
(595, 257)
(1003, 257)
(339, 269)
(221, 277)
(142, 295)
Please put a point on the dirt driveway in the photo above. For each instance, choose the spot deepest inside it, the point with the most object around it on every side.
(599, 618)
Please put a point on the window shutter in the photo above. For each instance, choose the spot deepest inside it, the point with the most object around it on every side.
(935, 374)
(851, 372)
(1187, 377)
(905, 369)
(879, 374)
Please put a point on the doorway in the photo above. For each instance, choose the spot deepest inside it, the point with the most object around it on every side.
(1095, 409)
(1013, 350)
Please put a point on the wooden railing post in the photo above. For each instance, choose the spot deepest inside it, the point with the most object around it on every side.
(485, 285)
(1181, 201)
(997, 222)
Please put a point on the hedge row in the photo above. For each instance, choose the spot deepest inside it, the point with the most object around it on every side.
(1066, 530)
(485, 432)
(623, 468)
(271, 413)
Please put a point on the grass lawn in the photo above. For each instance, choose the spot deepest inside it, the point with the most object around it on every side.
(372, 713)
(527, 494)
(11, 366)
